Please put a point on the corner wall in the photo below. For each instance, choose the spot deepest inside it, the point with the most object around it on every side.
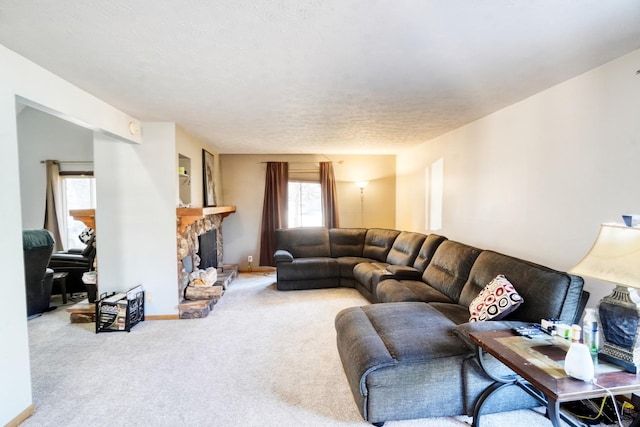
(37, 87)
(536, 179)
(136, 209)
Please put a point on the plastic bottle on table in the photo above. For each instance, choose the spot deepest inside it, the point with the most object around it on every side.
(590, 333)
(576, 333)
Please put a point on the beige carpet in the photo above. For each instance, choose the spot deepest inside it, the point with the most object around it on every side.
(261, 358)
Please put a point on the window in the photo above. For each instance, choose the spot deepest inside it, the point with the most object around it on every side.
(78, 192)
(304, 204)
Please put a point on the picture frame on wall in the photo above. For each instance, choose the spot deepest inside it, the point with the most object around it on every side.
(208, 186)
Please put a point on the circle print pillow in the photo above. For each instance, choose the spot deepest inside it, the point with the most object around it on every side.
(495, 301)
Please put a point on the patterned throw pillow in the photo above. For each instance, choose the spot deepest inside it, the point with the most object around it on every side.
(86, 235)
(495, 301)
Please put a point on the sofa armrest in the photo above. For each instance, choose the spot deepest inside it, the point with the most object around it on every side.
(463, 330)
(378, 276)
(283, 256)
(406, 272)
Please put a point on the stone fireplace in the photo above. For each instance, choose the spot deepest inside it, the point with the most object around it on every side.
(193, 226)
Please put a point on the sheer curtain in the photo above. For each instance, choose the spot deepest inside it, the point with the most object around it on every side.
(274, 209)
(329, 195)
(53, 219)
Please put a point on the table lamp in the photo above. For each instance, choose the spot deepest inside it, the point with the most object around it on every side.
(615, 258)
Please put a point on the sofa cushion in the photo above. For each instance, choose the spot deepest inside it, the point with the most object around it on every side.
(346, 265)
(494, 301)
(404, 272)
(304, 242)
(427, 250)
(309, 269)
(547, 293)
(457, 313)
(405, 248)
(403, 251)
(449, 269)
(394, 290)
(347, 242)
(378, 243)
(364, 274)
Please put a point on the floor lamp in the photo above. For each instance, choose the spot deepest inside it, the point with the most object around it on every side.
(361, 185)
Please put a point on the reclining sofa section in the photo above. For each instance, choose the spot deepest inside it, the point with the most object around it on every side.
(314, 258)
(409, 355)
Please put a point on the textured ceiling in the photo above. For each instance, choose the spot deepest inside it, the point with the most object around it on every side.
(318, 76)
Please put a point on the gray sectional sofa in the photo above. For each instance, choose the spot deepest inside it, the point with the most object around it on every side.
(408, 355)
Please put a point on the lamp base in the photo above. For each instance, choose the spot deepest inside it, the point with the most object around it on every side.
(620, 321)
(627, 366)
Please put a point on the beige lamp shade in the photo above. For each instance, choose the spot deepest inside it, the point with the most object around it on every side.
(614, 257)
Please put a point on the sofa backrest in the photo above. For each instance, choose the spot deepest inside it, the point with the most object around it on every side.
(547, 293)
(427, 250)
(347, 241)
(378, 243)
(304, 242)
(449, 268)
(405, 248)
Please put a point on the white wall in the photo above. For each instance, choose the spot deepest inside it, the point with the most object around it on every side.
(536, 179)
(243, 178)
(35, 86)
(42, 136)
(136, 216)
(15, 387)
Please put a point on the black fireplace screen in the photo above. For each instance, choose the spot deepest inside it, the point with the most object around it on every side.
(208, 249)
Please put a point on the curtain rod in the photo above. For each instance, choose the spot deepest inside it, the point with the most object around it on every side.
(302, 163)
(84, 162)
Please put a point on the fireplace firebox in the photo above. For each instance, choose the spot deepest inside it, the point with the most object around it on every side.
(208, 249)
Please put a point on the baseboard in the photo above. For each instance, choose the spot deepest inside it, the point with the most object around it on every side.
(260, 270)
(162, 317)
(22, 416)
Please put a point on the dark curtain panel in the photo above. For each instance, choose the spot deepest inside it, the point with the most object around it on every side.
(274, 209)
(329, 195)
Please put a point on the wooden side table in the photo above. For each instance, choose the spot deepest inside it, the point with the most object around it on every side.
(61, 280)
(537, 371)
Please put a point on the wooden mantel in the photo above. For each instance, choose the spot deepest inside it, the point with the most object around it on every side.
(187, 216)
(86, 216)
